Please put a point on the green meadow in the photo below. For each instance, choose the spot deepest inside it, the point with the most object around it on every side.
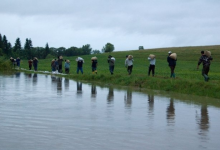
(188, 79)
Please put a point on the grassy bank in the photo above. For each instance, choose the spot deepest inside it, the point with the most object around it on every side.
(188, 79)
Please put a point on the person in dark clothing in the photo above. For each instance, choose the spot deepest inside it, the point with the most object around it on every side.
(35, 63)
(60, 63)
(18, 62)
(80, 62)
(172, 64)
(94, 64)
(111, 62)
(30, 62)
(206, 65)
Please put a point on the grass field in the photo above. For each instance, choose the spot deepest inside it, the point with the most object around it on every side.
(188, 79)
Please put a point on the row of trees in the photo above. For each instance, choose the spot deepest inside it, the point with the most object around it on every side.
(28, 51)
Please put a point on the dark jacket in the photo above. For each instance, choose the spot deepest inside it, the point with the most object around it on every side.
(205, 60)
(80, 63)
(172, 62)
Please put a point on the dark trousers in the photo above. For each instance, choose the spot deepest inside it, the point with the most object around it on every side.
(130, 69)
(151, 68)
(111, 69)
(205, 70)
(67, 70)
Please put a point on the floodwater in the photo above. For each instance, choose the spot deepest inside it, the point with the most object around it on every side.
(44, 112)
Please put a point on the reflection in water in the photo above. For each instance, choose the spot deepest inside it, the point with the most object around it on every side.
(110, 96)
(203, 122)
(79, 87)
(34, 79)
(59, 85)
(67, 83)
(151, 104)
(93, 91)
(171, 113)
(17, 74)
(128, 98)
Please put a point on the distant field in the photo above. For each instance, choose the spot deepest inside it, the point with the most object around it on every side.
(188, 79)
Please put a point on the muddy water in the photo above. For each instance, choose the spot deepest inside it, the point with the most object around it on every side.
(42, 112)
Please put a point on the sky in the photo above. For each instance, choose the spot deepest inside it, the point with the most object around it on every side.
(127, 24)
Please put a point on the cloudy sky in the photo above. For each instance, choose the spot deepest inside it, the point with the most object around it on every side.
(127, 24)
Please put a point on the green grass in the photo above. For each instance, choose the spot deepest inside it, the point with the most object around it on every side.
(188, 79)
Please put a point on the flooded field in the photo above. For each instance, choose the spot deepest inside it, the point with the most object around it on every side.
(47, 112)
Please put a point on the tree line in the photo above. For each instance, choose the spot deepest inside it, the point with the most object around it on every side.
(28, 51)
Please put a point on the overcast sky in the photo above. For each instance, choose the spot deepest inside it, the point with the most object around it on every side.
(127, 24)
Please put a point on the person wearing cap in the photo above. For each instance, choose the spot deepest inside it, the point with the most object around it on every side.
(172, 64)
(206, 65)
(111, 62)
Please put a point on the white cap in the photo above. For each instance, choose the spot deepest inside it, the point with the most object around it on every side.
(169, 52)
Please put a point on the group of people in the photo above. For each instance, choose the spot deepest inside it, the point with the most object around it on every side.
(15, 62)
(34, 63)
(56, 64)
(172, 58)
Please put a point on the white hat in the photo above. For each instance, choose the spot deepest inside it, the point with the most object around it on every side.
(169, 52)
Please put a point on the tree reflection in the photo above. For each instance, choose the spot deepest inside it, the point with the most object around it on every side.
(171, 112)
(93, 91)
(110, 96)
(128, 98)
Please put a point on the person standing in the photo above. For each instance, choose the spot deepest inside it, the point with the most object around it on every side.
(129, 64)
(30, 62)
(80, 62)
(53, 65)
(18, 60)
(60, 63)
(111, 62)
(35, 63)
(67, 66)
(12, 62)
(206, 65)
(152, 60)
(94, 65)
(172, 63)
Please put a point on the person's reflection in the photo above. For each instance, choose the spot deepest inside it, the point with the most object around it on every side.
(171, 112)
(151, 103)
(128, 98)
(66, 83)
(17, 74)
(93, 91)
(34, 79)
(79, 87)
(110, 96)
(203, 121)
(59, 85)
(29, 75)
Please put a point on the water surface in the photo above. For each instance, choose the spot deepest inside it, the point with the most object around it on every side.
(40, 112)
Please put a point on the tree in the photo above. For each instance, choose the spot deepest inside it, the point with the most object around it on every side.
(28, 47)
(1, 42)
(96, 52)
(5, 45)
(47, 50)
(86, 49)
(17, 46)
(108, 48)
